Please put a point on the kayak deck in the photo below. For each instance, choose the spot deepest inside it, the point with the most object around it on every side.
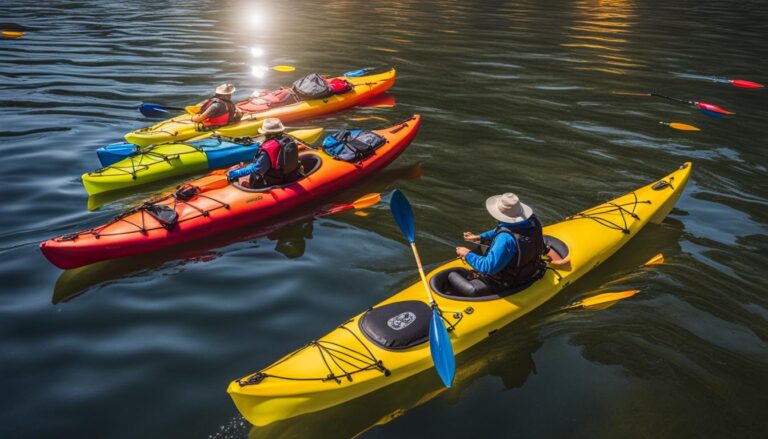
(344, 364)
(182, 127)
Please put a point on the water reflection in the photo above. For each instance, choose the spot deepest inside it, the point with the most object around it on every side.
(604, 32)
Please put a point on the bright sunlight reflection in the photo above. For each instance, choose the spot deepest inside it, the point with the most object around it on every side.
(257, 51)
(259, 71)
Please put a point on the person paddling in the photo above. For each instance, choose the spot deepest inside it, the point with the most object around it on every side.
(276, 162)
(218, 110)
(514, 250)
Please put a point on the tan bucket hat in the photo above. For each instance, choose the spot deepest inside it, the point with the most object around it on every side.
(225, 89)
(272, 125)
(508, 208)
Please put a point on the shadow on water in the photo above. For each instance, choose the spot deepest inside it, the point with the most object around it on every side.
(290, 233)
(507, 355)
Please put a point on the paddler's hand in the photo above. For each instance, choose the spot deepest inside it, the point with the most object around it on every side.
(197, 118)
(471, 237)
(461, 251)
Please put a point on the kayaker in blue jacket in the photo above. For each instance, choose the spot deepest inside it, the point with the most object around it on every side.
(514, 250)
(276, 162)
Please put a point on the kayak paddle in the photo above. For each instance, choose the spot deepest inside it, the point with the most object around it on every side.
(157, 110)
(359, 72)
(600, 301)
(711, 110)
(741, 83)
(12, 34)
(360, 119)
(656, 260)
(680, 126)
(439, 341)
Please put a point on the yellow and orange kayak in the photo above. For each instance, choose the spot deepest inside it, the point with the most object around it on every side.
(182, 127)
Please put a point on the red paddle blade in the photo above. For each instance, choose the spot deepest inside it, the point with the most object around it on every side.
(385, 100)
(745, 84)
(712, 107)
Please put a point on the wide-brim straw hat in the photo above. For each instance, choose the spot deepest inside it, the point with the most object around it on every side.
(272, 125)
(225, 89)
(508, 208)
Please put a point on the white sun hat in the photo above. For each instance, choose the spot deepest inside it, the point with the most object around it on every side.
(508, 208)
(272, 125)
(225, 89)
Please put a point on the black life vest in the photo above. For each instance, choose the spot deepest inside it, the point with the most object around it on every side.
(284, 160)
(222, 116)
(528, 265)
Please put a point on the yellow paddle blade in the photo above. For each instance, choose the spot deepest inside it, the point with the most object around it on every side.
(683, 127)
(602, 301)
(656, 260)
(192, 109)
(366, 201)
(12, 34)
(361, 213)
(284, 68)
(608, 299)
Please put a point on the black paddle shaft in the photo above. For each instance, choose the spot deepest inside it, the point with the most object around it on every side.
(673, 99)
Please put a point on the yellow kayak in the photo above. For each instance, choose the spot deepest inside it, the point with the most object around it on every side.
(359, 357)
(181, 127)
(161, 162)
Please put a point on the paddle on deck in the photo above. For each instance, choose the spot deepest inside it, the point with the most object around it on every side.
(439, 341)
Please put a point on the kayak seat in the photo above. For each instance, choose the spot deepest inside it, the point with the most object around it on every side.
(558, 252)
(309, 162)
(442, 287)
(397, 326)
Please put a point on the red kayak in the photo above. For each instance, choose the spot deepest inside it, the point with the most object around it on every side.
(211, 205)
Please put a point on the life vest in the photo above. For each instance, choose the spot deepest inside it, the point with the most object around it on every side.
(528, 265)
(221, 117)
(283, 157)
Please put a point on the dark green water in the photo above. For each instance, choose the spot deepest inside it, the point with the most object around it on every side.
(515, 96)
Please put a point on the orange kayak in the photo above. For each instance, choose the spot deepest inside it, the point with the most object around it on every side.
(255, 110)
(217, 205)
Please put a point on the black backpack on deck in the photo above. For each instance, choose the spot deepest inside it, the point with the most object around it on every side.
(352, 145)
(312, 86)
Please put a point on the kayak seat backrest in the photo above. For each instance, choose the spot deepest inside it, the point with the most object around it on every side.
(309, 162)
(440, 285)
(397, 326)
(558, 251)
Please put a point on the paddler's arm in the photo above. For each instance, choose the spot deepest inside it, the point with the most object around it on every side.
(503, 249)
(260, 166)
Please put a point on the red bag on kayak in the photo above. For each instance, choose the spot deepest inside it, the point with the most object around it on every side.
(339, 85)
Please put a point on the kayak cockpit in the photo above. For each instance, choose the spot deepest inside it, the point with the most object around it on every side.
(310, 163)
(558, 256)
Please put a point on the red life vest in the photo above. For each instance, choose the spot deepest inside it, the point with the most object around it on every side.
(283, 156)
(272, 148)
(220, 117)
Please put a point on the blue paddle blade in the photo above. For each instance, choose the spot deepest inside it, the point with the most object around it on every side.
(356, 73)
(153, 110)
(441, 349)
(401, 210)
(712, 114)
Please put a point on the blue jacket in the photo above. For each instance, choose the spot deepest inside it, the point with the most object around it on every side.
(260, 165)
(501, 251)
